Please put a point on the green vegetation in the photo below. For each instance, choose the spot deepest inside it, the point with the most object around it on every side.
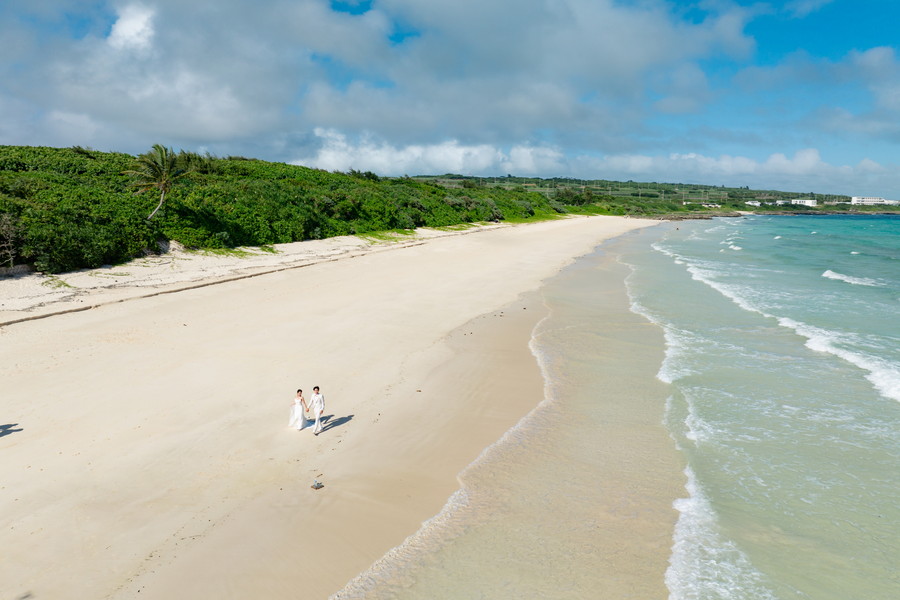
(68, 208)
(650, 199)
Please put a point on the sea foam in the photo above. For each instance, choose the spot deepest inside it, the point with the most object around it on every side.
(829, 274)
(677, 342)
(882, 374)
(704, 564)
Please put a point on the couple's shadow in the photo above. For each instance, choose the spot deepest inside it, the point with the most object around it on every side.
(8, 429)
(330, 422)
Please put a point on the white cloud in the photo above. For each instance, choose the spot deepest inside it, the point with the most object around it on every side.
(724, 169)
(803, 171)
(804, 162)
(73, 126)
(506, 70)
(802, 8)
(868, 165)
(507, 86)
(133, 30)
(340, 154)
(497, 73)
(533, 160)
(176, 101)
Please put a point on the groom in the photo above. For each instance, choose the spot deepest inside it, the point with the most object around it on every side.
(317, 404)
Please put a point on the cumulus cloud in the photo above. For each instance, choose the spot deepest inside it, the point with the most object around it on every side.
(405, 86)
(133, 30)
(338, 153)
(803, 171)
(474, 71)
(722, 169)
(533, 160)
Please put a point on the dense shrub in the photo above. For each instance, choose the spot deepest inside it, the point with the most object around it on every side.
(72, 208)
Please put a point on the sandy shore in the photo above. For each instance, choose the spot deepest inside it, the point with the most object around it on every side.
(145, 447)
(35, 296)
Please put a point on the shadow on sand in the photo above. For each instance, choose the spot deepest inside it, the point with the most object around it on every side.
(8, 429)
(329, 422)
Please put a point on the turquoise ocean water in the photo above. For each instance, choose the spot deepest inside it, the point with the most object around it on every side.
(783, 351)
(783, 362)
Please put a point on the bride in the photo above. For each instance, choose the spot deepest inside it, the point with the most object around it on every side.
(298, 411)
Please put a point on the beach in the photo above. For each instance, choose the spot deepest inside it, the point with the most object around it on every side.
(148, 453)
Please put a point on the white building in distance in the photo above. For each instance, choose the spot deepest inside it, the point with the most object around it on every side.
(872, 201)
(804, 201)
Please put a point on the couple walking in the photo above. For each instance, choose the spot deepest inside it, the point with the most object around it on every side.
(300, 408)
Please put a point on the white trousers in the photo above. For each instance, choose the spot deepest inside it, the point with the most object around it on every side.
(318, 422)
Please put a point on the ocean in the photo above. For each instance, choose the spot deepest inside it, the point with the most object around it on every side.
(781, 379)
(783, 351)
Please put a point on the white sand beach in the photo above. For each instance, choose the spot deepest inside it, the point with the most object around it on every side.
(144, 442)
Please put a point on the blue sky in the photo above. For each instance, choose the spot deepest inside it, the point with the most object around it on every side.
(802, 95)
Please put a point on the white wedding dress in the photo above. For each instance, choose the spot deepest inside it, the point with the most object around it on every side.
(298, 419)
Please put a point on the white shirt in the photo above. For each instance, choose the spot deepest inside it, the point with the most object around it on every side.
(317, 403)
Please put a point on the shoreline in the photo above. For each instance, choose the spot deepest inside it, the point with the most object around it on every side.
(632, 520)
(192, 481)
(488, 361)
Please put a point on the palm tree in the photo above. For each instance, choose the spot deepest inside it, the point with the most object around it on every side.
(158, 169)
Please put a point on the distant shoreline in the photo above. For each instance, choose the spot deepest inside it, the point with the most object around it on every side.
(708, 216)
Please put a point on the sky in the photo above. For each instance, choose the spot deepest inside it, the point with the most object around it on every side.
(802, 95)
